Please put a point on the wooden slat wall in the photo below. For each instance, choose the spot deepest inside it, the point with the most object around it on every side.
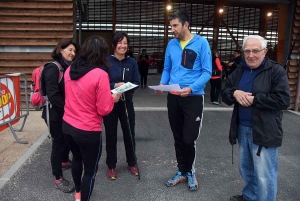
(293, 66)
(34, 23)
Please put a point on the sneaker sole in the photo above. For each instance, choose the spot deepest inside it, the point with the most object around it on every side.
(66, 168)
(168, 184)
(64, 191)
(193, 188)
(113, 178)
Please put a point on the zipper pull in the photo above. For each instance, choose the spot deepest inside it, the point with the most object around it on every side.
(123, 74)
(184, 61)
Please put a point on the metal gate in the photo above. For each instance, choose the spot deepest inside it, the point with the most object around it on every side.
(144, 21)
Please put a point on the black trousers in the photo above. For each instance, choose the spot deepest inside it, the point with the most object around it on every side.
(86, 147)
(111, 126)
(60, 151)
(185, 117)
(215, 89)
(144, 75)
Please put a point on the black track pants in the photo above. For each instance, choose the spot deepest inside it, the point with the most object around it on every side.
(111, 127)
(215, 89)
(185, 117)
(60, 151)
(86, 147)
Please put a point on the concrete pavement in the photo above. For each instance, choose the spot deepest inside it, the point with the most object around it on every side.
(217, 176)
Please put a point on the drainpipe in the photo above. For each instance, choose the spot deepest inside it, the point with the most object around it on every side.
(80, 21)
(298, 88)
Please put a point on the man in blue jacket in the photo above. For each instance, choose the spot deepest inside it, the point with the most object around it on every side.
(187, 63)
(259, 90)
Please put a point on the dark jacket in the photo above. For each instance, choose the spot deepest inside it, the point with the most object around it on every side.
(271, 95)
(144, 62)
(236, 63)
(127, 68)
(55, 91)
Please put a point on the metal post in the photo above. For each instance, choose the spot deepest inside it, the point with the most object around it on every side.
(74, 22)
(289, 32)
(166, 29)
(206, 23)
(218, 16)
(80, 21)
(114, 15)
(230, 33)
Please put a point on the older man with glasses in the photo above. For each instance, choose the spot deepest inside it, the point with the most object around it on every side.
(259, 90)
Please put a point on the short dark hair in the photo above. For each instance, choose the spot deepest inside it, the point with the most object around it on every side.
(214, 51)
(117, 37)
(238, 51)
(63, 44)
(94, 51)
(182, 16)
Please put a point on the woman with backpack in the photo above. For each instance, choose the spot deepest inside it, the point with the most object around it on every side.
(53, 86)
(216, 78)
(88, 99)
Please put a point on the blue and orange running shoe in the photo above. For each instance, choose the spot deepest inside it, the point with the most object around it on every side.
(192, 181)
(179, 177)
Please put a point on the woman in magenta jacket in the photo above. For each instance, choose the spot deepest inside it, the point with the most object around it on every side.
(88, 99)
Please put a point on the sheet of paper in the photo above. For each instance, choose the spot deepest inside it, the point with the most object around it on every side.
(125, 87)
(171, 87)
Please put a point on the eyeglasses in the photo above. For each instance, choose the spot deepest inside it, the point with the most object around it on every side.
(255, 51)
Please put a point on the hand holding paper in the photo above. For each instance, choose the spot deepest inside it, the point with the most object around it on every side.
(171, 87)
(123, 88)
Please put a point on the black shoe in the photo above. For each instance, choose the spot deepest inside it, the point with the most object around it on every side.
(237, 198)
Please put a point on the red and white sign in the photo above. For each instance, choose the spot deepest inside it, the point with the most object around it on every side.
(9, 100)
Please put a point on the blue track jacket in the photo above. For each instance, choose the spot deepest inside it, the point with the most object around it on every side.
(190, 67)
(125, 70)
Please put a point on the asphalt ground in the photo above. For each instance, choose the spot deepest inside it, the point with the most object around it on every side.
(217, 176)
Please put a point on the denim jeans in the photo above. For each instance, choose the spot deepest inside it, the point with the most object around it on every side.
(258, 172)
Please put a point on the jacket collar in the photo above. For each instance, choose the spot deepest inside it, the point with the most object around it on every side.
(263, 66)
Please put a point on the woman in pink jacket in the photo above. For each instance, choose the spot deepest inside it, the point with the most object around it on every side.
(88, 99)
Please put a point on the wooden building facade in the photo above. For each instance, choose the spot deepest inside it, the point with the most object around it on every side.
(28, 32)
(293, 57)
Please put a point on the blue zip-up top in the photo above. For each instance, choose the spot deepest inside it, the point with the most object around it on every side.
(125, 70)
(246, 84)
(190, 67)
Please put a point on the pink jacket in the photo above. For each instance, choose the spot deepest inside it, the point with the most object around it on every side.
(219, 66)
(87, 100)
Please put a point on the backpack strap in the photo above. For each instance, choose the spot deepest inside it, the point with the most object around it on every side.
(60, 69)
(60, 74)
(48, 104)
